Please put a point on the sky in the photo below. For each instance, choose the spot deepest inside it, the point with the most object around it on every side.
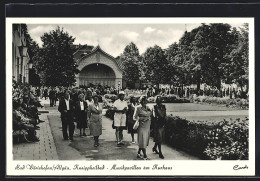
(113, 38)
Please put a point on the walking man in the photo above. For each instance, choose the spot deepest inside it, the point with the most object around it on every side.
(66, 108)
(52, 97)
(120, 106)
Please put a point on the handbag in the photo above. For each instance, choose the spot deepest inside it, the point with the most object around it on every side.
(136, 125)
(113, 125)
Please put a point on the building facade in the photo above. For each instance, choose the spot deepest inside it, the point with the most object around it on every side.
(20, 57)
(97, 68)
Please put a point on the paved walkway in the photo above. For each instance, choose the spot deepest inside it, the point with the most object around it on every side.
(83, 148)
(52, 146)
(45, 149)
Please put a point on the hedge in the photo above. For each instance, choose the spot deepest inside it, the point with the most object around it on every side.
(225, 140)
(211, 140)
(237, 103)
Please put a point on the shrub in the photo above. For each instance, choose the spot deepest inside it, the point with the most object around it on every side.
(237, 103)
(106, 104)
(226, 140)
(110, 113)
(111, 97)
(171, 98)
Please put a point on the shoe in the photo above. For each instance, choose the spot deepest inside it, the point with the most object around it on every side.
(84, 134)
(41, 121)
(121, 143)
(71, 139)
(139, 155)
(133, 142)
(95, 144)
(155, 150)
(161, 156)
(145, 158)
(36, 139)
(66, 139)
(118, 144)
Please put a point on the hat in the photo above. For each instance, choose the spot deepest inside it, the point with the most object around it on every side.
(121, 92)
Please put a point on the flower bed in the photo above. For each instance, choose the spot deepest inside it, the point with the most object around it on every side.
(171, 98)
(226, 140)
(237, 103)
(111, 97)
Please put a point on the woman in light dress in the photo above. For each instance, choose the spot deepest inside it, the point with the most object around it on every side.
(95, 119)
(143, 115)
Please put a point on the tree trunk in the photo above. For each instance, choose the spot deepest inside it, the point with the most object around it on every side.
(198, 84)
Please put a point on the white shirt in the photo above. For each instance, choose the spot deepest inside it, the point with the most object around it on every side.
(67, 104)
(90, 102)
(81, 106)
(120, 105)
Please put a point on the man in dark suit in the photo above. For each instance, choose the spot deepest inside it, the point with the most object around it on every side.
(52, 96)
(66, 108)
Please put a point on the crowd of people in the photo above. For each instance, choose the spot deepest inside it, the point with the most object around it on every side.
(186, 91)
(86, 111)
(25, 113)
(54, 93)
(84, 106)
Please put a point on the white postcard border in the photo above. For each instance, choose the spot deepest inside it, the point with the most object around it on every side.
(179, 167)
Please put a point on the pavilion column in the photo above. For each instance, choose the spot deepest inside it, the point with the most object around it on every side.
(77, 80)
(118, 83)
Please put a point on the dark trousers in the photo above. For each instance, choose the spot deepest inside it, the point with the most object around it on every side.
(67, 122)
(51, 101)
(54, 101)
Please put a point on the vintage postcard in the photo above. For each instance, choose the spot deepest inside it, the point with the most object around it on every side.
(130, 96)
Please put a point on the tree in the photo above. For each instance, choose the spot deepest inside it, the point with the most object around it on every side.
(55, 62)
(235, 69)
(131, 60)
(156, 65)
(202, 51)
(209, 49)
(186, 73)
(32, 50)
(177, 76)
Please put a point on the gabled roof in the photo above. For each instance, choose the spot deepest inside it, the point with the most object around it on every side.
(97, 48)
(83, 47)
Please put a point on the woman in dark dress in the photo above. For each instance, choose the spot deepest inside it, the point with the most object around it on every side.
(130, 120)
(81, 110)
(159, 120)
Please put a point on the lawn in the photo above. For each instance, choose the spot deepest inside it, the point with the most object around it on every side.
(193, 111)
(183, 107)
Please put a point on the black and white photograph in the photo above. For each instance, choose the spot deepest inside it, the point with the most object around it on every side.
(130, 95)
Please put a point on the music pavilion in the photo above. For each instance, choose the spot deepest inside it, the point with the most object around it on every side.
(97, 68)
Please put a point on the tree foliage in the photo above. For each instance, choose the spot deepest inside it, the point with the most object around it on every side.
(55, 62)
(235, 68)
(211, 54)
(156, 66)
(131, 63)
(33, 49)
